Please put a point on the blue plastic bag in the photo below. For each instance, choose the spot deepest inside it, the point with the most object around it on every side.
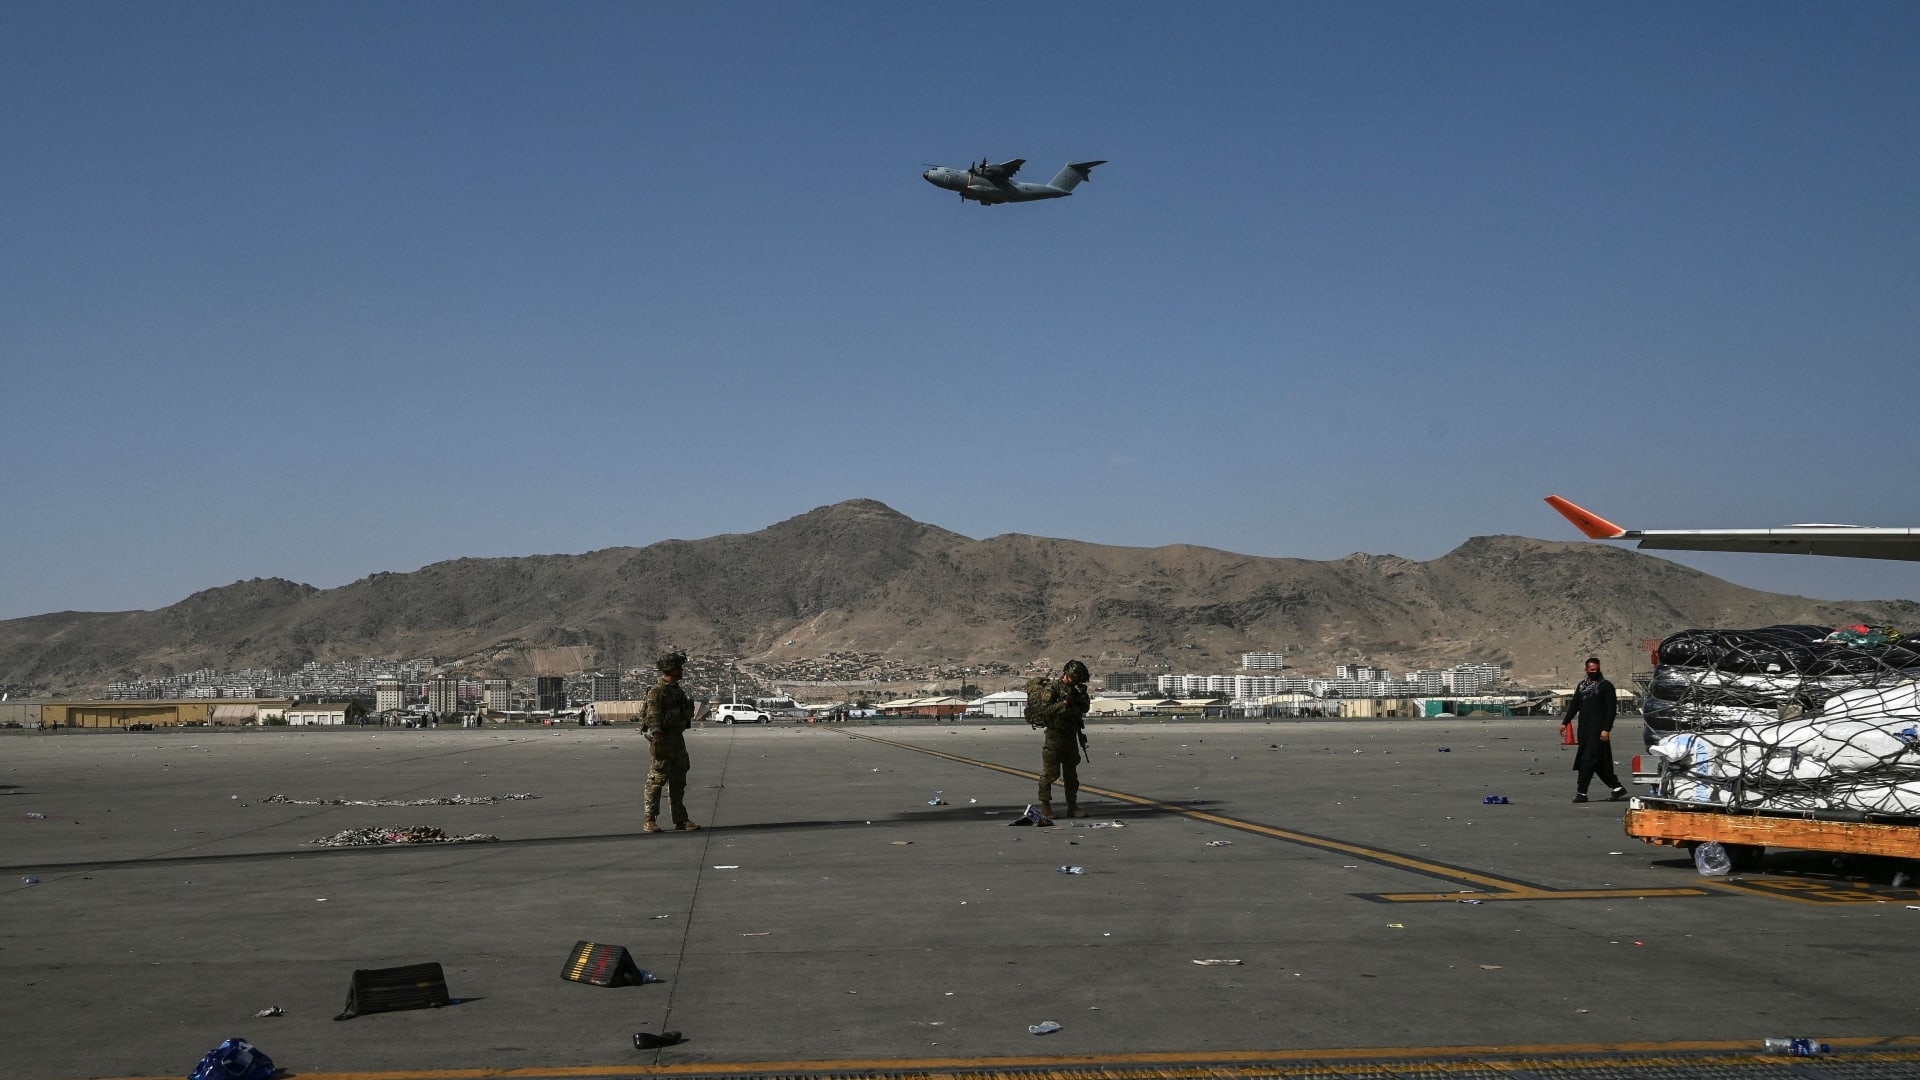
(235, 1059)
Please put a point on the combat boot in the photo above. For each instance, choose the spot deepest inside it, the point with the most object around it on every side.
(1046, 810)
(1075, 811)
(650, 826)
(686, 826)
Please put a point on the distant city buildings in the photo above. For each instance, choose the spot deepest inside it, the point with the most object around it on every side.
(1473, 678)
(499, 697)
(605, 687)
(1427, 682)
(391, 685)
(328, 681)
(443, 696)
(1349, 681)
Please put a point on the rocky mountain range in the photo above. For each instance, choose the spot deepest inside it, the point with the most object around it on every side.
(859, 577)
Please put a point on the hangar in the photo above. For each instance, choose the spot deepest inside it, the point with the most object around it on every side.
(115, 714)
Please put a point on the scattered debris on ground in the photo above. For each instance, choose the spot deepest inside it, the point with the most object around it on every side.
(443, 800)
(399, 834)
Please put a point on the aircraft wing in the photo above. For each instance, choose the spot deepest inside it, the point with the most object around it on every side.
(1844, 541)
(1006, 169)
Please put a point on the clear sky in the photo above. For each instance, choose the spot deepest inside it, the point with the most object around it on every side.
(319, 290)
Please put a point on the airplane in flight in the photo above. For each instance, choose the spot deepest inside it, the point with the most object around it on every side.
(1844, 541)
(990, 184)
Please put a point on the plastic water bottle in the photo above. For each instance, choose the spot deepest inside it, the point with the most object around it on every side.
(1044, 1027)
(1797, 1047)
(1073, 870)
(1711, 860)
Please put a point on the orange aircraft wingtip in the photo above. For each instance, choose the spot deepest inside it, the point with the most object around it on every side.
(1595, 526)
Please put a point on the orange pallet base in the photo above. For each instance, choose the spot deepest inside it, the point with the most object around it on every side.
(1662, 825)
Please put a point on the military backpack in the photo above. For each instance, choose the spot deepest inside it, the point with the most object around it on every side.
(1042, 690)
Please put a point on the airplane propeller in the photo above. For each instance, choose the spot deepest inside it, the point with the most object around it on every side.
(980, 169)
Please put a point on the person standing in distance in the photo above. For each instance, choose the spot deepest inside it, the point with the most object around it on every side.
(1593, 706)
(668, 714)
(1063, 714)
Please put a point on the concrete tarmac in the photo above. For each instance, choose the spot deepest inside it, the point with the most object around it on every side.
(856, 901)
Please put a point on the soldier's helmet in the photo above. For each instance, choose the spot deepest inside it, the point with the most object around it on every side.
(1076, 669)
(671, 661)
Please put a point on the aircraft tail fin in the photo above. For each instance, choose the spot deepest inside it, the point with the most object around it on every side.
(1071, 176)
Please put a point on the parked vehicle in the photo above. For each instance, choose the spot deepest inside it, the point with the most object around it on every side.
(732, 713)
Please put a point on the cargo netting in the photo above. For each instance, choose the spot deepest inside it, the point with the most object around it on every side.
(1789, 718)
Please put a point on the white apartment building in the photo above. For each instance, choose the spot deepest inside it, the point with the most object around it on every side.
(443, 696)
(1370, 688)
(389, 695)
(1247, 687)
(1427, 682)
(1262, 661)
(1473, 678)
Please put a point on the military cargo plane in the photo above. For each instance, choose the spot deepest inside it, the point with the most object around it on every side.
(989, 184)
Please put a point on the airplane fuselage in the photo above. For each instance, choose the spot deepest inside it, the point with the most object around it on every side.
(989, 184)
(976, 188)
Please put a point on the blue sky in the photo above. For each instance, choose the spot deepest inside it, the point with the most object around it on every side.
(314, 291)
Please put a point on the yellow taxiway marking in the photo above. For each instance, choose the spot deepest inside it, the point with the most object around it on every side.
(1488, 886)
(1217, 1064)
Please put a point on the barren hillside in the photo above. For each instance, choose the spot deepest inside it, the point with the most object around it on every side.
(859, 576)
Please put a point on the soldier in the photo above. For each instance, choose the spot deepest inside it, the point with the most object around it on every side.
(1062, 710)
(667, 715)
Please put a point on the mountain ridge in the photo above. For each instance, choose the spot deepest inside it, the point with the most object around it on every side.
(860, 576)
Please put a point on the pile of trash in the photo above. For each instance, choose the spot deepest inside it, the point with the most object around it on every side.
(441, 800)
(1789, 718)
(399, 834)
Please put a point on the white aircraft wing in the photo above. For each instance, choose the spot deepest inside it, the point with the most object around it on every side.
(1844, 541)
(1006, 169)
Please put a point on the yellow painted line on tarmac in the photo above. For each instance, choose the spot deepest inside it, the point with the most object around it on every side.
(1224, 1064)
(1490, 886)
(1539, 894)
(1801, 890)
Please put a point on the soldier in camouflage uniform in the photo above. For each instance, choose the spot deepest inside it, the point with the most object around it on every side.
(1063, 713)
(667, 715)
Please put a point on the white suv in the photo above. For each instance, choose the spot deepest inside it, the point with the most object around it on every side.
(738, 714)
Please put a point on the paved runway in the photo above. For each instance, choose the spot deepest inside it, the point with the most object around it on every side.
(834, 917)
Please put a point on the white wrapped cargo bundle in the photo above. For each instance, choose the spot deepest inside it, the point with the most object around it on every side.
(1901, 700)
(1804, 764)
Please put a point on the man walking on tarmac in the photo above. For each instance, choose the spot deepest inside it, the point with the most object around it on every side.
(668, 714)
(1061, 708)
(1593, 705)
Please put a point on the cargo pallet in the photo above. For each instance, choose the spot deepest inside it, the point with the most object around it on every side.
(1746, 834)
